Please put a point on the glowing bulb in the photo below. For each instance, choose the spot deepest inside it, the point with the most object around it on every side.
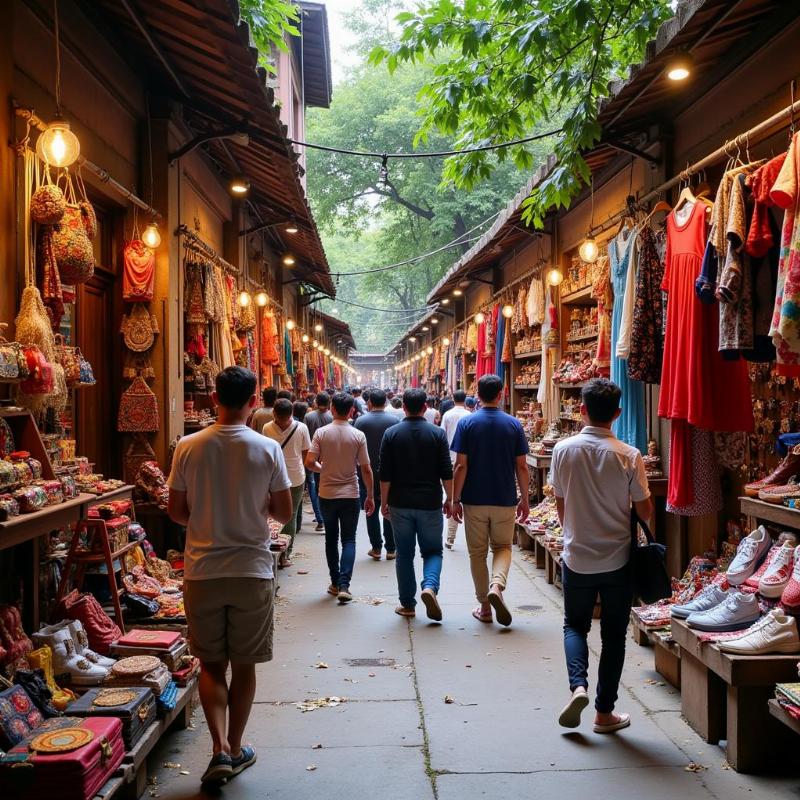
(318, 328)
(412, 338)
(434, 321)
(588, 250)
(445, 341)
(261, 299)
(289, 324)
(555, 276)
(430, 351)
(292, 227)
(244, 298)
(315, 344)
(457, 292)
(480, 318)
(425, 328)
(334, 310)
(288, 260)
(239, 185)
(679, 67)
(508, 311)
(445, 301)
(58, 145)
(326, 351)
(151, 237)
(304, 338)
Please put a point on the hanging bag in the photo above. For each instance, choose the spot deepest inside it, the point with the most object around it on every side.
(138, 409)
(651, 580)
(71, 243)
(68, 358)
(85, 369)
(9, 358)
(138, 277)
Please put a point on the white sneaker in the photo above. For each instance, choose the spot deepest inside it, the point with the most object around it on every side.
(749, 555)
(779, 572)
(67, 660)
(774, 633)
(735, 613)
(82, 645)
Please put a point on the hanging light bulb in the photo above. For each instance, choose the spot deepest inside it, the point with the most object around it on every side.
(291, 226)
(326, 351)
(425, 328)
(304, 338)
(555, 276)
(288, 260)
(508, 311)
(445, 301)
(262, 298)
(445, 341)
(412, 338)
(589, 250)
(244, 298)
(434, 320)
(457, 292)
(57, 145)
(239, 185)
(429, 351)
(480, 318)
(150, 236)
(334, 310)
(679, 67)
(315, 344)
(289, 324)
(318, 328)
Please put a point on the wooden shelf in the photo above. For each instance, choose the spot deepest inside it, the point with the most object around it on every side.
(771, 512)
(526, 386)
(583, 297)
(579, 385)
(532, 354)
(582, 338)
(781, 714)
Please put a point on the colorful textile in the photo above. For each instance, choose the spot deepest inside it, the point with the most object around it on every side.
(647, 346)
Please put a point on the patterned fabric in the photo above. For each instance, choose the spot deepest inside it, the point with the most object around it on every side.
(18, 716)
(601, 291)
(646, 351)
(702, 492)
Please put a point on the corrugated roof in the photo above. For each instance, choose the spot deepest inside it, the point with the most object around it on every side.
(314, 48)
(201, 54)
(338, 326)
(718, 33)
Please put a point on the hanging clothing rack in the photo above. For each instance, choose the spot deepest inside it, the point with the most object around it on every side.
(103, 175)
(191, 239)
(758, 133)
(522, 278)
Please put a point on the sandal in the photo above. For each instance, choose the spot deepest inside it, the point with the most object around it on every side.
(481, 617)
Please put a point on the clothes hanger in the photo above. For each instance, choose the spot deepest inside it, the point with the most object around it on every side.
(686, 195)
(703, 189)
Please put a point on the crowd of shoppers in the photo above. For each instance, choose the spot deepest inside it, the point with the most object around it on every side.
(408, 463)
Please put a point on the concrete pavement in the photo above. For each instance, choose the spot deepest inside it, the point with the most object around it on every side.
(396, 737)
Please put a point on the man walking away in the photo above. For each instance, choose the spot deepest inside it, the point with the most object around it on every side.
(292, 437)
(595, 477)
(225, 481)
(336, 451)
(261, 416)
(414, 466)
(397, 408)
(430, 409)
(491, 449)
(449, 424)
(373, 425)
(315, 420)
(361, 406)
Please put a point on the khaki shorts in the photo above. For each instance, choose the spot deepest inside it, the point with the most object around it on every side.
(230, 619)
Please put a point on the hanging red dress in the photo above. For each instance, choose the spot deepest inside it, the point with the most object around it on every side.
(697, 384)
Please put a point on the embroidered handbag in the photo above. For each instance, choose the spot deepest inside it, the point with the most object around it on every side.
(139, 272)
(9, 365)
(85, 371)
(138, 409)
(72, 247)
(139, 329)
(40, 373)
(139, 452)
(68, 358)
(18, 716)
(13, 639)
(48, 204)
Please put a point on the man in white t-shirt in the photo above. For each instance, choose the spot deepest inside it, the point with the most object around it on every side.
(225, 481)
(294, 440)
(449, 423)
(431, 413)
(595, 478)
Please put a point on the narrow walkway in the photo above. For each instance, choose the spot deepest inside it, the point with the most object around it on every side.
(444, 712)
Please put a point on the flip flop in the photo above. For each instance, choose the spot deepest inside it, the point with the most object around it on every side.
(501, 612)
(481, 617)
(571, 713)
(624, 722)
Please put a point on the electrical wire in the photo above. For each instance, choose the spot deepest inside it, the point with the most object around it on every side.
(385, 310)
(439, 154)
(457, 242)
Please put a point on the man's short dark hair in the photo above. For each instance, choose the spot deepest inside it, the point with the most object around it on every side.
(299, 410)
(342, 403)
(601, 398)
(285, 394)
(268, 396)
(459, 396)
(356, 391)
(323, 400)
(367, 394)
(283, 408)
(235, 386)
(378, 398)
(414, 400)
(489, 388)
(397, 402)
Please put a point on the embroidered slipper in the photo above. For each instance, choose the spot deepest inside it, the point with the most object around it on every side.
(480, 616)
(623, 721)
(571, 713)
(501, 612)
(405, 612)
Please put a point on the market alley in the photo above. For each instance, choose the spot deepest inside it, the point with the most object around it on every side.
(444, 712)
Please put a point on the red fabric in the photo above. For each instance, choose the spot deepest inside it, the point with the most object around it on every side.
(480, 356)
(759, 237)
(680, 492)
(100, 628)
(697, 383)
(139, 272)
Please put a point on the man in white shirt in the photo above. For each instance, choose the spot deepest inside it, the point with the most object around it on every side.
(225, 481)
(294, 440)
(449, 424)
(595, 478)
(396, 408)
(430, 411)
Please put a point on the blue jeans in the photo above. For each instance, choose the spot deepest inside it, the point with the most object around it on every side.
(341, 519)
(313, 492)
(374, 521)
(411, 525)
(580, 594)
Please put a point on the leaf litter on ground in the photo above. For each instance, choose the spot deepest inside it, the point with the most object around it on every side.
(320, 702)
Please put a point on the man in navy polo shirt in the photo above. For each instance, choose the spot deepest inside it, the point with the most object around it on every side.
(490, 448)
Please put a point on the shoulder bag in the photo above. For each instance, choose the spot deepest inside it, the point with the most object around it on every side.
(651, 580)
(291, 433)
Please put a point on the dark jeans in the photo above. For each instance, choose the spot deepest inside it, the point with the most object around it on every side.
(374, 523)
(341, 519)
(424, 527)
(580, 593)
(312, 479)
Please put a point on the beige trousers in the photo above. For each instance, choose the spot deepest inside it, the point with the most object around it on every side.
(485, 527)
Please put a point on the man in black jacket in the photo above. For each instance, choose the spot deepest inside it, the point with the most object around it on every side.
(414, 466)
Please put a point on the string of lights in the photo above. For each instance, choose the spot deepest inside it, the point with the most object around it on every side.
(384, 310)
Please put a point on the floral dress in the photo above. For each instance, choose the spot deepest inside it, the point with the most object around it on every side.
(647, 344)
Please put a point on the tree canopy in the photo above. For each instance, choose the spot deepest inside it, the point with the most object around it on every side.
(503, 68)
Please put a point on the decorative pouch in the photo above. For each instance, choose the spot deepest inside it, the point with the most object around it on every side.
(139, 452)
(139, 272)
(139, 329)
(85, 371)
(71, 245)
(30, 499)
(8, 475)
(138, 409)
(68, 486)
(9, 357)
(18, 716)
(68, 358)
(34, 682)
(53, 491)
(9, 508)
(48, 205)
(40, 373)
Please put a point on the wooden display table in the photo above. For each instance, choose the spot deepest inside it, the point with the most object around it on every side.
(667, 653)
(783, 716)
(552, 563)
(725, 696)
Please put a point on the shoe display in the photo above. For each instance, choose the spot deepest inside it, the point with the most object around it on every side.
(779, 476)
(791, 592)
(774, 633)
(79, 638)
(778, 573)
(753, 581)
(709, 598)
(67, 660)
(735, 613)
(777, 494)
(749, 555)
